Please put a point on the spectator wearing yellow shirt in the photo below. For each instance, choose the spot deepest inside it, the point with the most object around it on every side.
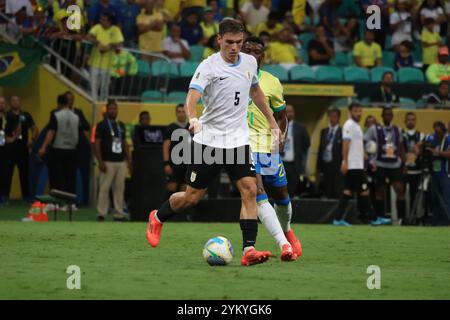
(272, 26)
(174, 8)
(208, 25)
(160, 8)
(150, 24)
(367, 53)
(283, 50)
(431, 41)
(106, 38)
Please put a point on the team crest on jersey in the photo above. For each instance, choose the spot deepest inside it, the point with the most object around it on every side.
(193, 176)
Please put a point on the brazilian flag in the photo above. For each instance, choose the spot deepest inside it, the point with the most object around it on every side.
(17, 64)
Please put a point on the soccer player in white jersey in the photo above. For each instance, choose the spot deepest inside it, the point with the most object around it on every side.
(226, 81)
(270, 173)
(353, 168)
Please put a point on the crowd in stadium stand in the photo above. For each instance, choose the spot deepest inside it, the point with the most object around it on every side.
(314, 33)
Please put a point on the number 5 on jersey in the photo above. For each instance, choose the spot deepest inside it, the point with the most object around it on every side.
(236, 98)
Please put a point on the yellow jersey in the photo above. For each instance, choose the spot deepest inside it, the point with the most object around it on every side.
(113, 35)
(260, 137)
(278, 52)
(368, 53)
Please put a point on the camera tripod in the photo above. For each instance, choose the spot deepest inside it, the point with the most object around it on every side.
(418, 213)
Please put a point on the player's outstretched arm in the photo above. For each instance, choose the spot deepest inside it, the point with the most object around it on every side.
(259, 99)
(191, 105)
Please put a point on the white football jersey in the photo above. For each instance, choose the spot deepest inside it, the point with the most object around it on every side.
(353, 133)
(225, 92)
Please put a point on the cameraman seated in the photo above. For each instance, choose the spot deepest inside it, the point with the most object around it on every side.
(437, 146)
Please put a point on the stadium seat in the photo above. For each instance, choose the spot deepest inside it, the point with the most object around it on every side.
(315, 21)
(388, 59)
(350, 59)
(365, 102)
(277, 71)
(407, 103)
(162, 67)
(377, 73)
(187, 69)
(356, 74)
(143, 68)
(303, 54)
(196, 53)
(329, 74)
(410, 75)
(151, 96)
(388, 42)
(302, 73)
(421, 103)
(176, 97)
(305, 38)
(340, 59)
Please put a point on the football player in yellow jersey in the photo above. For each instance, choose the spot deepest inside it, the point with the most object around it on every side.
(270, 174)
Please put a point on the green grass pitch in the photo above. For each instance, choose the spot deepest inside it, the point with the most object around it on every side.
(116, 262)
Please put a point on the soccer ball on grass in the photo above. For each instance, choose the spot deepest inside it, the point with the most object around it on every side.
(218, 251)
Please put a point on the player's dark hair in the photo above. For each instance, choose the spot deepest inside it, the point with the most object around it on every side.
(143, 113)
(254, 40)
(410, 113)
(110, 103)
(264, 33)
(68, 93)
(439, 125)
(387, 72)
(230, 25)
(444, 83)
(334, 110)
(385, 109)
(110, 16)
(354, 105)
(62, 100)
(180, 105)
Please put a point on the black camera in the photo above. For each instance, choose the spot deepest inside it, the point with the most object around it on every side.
(427, 155)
